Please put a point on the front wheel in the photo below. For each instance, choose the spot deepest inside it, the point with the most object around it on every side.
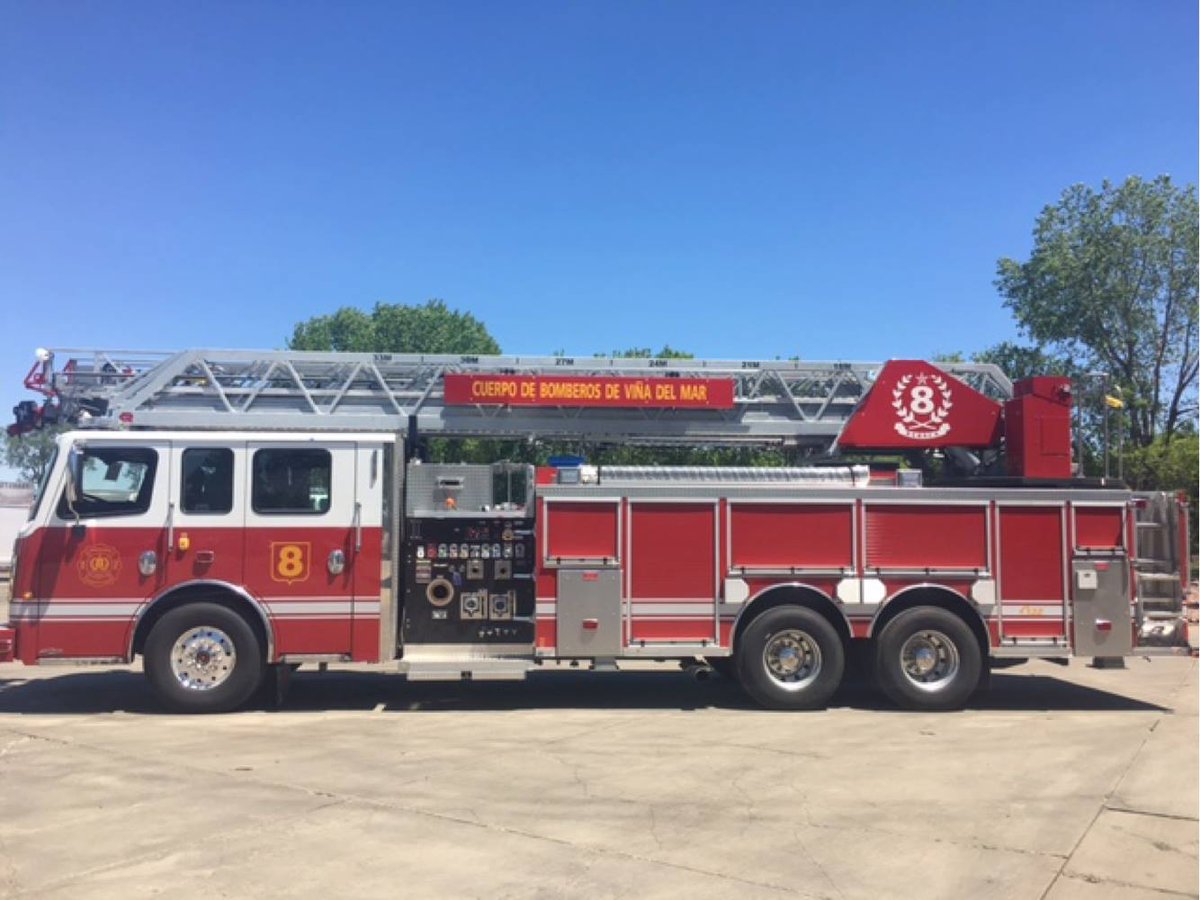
(203, 657)
(927, 658)
(790, 657)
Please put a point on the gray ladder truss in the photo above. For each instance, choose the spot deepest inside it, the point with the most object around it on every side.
(794, 403)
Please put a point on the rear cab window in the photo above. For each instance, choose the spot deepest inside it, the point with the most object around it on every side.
(291, 481)
(206, 481)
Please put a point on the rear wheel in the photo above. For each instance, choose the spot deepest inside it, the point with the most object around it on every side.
(203, 657)
(927, 658)
(790, 657)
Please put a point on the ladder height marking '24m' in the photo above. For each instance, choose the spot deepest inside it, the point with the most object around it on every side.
(228, 515)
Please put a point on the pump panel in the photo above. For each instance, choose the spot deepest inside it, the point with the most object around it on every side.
(468, 580)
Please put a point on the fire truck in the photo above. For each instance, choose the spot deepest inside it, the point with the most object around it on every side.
(230, 515)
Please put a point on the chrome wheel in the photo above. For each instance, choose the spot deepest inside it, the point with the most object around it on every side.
(203, 658)
(929, 660)
(792, 659)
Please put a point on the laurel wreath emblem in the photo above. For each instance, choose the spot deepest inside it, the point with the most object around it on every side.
(920, 417)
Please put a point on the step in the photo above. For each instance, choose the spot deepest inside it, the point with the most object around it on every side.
(468, 669)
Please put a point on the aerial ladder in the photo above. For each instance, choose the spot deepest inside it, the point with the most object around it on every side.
(791, 403)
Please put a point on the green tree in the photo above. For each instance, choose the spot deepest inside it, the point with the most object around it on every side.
(30, 453)
(1018, 361)
(667, 352)
(1111, 285)
(432, 327)
(395, 328)
(1169, 465)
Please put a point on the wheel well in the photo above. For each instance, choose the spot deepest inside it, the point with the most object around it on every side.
(208, 593)
(940, 597)
(793, 595)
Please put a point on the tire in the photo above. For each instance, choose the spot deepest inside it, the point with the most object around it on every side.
(928, 659)
(203, 658)
(790, 657)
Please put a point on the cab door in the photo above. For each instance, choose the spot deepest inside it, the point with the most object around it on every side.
(301, 518)
(208, 511)
(101, 559)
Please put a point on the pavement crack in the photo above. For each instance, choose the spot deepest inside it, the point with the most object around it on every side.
(1104, 803)
(1091, 879)
(164, 852)
(816, 862)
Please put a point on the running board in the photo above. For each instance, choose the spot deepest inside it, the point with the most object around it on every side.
(467, 669)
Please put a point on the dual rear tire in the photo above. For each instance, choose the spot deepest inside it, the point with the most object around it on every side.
(792, 657)
(927, 658)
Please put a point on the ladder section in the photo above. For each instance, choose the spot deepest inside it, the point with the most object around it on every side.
(797, 403)
(1157, 568)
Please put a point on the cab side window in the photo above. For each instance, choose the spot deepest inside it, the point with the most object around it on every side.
(291, 481)
(117, 481)
(207, 486)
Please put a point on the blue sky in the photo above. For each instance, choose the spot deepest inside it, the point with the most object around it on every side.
(829, 180)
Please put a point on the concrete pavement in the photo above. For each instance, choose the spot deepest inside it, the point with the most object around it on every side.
(1059, 783)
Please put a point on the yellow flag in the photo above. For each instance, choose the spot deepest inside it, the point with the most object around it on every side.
(1114, 402)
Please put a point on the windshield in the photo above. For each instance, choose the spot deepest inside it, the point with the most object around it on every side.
(42, 482)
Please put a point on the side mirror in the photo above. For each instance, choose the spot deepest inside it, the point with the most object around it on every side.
(74, 478)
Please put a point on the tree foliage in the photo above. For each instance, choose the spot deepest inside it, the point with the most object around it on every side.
(395, 328)
(1111, 285)
(30, 453)
(1018, 361)
(1169, 465)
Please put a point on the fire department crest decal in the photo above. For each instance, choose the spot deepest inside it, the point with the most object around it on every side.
(922, 404)
(99, 565)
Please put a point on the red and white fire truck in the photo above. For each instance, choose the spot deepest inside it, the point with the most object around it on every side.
(229, 515)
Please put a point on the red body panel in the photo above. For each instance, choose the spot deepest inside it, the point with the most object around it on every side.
(788, 535)
(926, 537)
(583, 531)
(286, 568)
(1031, 553)
(90, 577)
(673, 551)
(1099, 528)
(89, 592)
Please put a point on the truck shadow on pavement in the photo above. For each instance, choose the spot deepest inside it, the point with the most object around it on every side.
(127, 691)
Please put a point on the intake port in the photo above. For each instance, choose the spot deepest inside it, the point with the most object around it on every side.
(439, 592)
(502, 606)
(474, 606)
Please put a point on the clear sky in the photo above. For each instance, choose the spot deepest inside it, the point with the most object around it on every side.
(828, 180)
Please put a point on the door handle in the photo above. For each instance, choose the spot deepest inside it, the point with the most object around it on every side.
(205, 557)
(357, 526)
(591, 624)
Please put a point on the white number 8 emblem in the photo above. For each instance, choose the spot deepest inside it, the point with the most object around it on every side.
(923, 417)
